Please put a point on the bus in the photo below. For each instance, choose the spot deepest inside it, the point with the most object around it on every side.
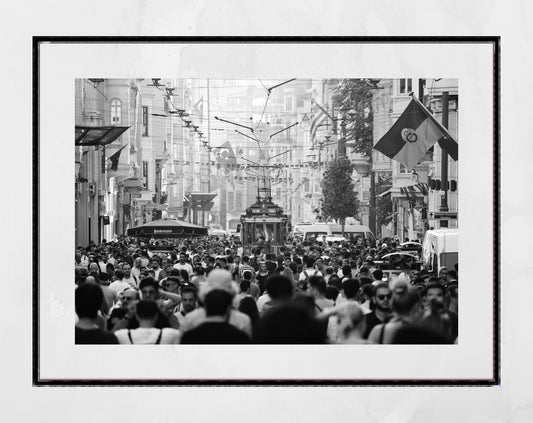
(334, 232)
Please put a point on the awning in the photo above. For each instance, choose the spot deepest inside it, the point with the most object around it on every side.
(167, 228)
(97, 135)
(412, 191)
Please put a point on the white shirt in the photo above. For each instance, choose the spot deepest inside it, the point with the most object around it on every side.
(310, 272)
(261, 301)
(131, 281)
(119, 286)
(198, 316)
(145, 336)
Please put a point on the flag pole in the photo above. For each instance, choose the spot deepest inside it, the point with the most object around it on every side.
(444, 162)
(428, 113)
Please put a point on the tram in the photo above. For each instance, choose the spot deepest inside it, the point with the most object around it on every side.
(264, 225)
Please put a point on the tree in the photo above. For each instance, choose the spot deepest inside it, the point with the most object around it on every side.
(339, 200)
(353, 100)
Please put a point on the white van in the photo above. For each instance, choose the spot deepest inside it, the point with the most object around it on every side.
(351, 232)
(440, 248)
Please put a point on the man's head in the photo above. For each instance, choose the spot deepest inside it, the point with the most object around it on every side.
(378, 274)
(149, 289)
(350, 287)
(434, 293)
(146, 312)
(154, 263)
(126, 270)
(279, 287)
(138, 262)
(183, 258)
(188, 299)
(245, 286)
(88, 300)
(93, 267)
(317, 286)
(218, 279)
(217, 302)
(129, 296)
(382, 297)
(247, 275)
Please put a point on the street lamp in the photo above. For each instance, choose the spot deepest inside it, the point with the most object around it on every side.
(363, 166)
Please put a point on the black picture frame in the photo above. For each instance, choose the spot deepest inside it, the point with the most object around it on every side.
(495, 380)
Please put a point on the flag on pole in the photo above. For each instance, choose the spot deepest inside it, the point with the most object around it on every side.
(413, 134)
(318, 120)
(115, 158)
(225, 154)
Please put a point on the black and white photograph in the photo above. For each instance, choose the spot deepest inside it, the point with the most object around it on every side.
(266, 211)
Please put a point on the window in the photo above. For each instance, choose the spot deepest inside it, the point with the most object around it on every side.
(306, 185)
(288, 104)
(145, 174)
(406, 86)
(238, 201)
(145, 121)
(236, 101)
(259, 101)
(116, 111)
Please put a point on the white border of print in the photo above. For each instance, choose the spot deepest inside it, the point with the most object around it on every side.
(472, 64)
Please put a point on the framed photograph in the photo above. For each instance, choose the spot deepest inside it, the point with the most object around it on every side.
(266, 210)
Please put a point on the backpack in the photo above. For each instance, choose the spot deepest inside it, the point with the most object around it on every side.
(302, 284)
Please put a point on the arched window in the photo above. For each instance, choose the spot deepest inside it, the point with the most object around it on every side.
(116, 111)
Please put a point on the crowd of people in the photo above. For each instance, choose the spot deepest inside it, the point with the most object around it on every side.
(208, 291)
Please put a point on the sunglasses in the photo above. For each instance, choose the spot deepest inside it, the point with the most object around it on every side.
(382, 297)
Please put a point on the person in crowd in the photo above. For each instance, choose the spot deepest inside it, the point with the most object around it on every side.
(184, 265)
(248, 306)
(129, 277)
(88, 301)
(215, 327)
(119, 285)
(279, 290)
(137, 268)
(350, 323)
(146, 313)
(406, 307)
(244, 267)
(189, 302)
(261, 276)
(289, 324)
(382, 310)
(436, 316)
(217, 279)
(307, 272)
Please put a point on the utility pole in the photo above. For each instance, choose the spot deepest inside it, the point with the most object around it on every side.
(208, 140)
(444, 163)
(372, 205)
(208, 150)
